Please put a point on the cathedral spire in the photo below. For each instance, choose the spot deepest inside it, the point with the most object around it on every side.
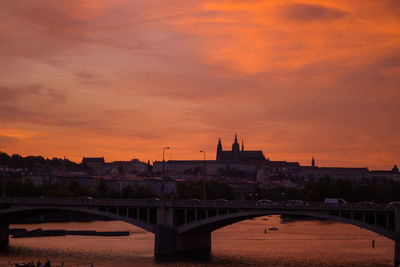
(219, 149)
(235, 145)
(313, 162)
(395, 169)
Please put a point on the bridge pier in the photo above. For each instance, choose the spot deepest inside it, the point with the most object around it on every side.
(169, 242)
(196, 242)
(4, 236)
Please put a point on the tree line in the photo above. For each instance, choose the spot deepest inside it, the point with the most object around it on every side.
(17, 161)
(317, 191)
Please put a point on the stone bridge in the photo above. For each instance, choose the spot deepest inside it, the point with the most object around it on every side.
(182, 226)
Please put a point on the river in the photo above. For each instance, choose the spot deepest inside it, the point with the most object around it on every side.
(297, 243)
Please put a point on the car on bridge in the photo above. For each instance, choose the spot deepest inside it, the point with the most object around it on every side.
(336, 201)
(366, 204)
(394, 204)
(193, 200)
(222, 201)
(264, 202)
(86, 199)
(295, 202)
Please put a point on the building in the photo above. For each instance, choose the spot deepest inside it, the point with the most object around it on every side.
(66, 177)
(240, 163)
(235, 162)
(237, 155)
(382, 176)
(100, 167)
(356, 175)
(96, 164)
(155, 185)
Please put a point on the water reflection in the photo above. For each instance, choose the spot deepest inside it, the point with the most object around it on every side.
(297, 243)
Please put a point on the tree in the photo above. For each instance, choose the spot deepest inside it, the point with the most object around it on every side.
(101, 189)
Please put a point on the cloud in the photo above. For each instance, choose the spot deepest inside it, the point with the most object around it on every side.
(5, 141)
(86, 75)
(301, 12)
(122, 76)
(34, 91)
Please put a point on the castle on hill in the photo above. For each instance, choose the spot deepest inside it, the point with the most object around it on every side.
(237, 155)
(238, 160)
(254, 165)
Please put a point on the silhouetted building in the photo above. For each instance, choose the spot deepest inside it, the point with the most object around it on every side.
(352, 174)
(384, 176)
(95, 163)
(234, 163)
(100, 167)
(237, 155)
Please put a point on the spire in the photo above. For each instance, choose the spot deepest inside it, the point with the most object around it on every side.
(235, 145)
(395, 169)
(219, 149)
(313, 162)
(242, 145)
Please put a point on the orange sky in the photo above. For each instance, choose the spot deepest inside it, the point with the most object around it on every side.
(122, 79)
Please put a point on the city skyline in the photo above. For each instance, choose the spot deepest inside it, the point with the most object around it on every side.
(123, 79)
(225, 155)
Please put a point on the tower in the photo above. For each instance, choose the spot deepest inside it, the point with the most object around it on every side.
(242, 146)
(235, 145)
(395, 169)
(219, 149)
(313, 162)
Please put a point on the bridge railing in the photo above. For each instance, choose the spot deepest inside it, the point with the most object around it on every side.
(78, 202)
(279, 205)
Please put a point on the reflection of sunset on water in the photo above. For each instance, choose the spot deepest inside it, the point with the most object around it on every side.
(122, 79)
(298, 243)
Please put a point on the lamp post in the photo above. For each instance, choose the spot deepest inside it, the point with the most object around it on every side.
(163, 171)
(204, 175)
(163, 161)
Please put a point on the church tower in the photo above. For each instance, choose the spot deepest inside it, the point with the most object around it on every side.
(219, 149)
(235, 145)
(395, 169)
(313, 162)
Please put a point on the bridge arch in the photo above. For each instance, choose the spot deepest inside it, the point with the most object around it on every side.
(10, 215)
(214, 223)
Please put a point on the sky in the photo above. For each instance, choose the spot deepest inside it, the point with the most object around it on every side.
(125, 78)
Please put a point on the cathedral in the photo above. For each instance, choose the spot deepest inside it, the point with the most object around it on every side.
(237, 154)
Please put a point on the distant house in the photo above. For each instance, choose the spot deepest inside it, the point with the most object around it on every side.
(282, 168)
(97, 164)
(100, 167)
(66, 177)
(118, 182)
(353, 174)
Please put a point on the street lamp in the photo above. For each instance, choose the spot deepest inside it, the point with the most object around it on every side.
(204, 175)
(163, 160)
(163, 171)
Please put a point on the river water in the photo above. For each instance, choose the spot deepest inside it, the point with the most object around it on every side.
(297, 243)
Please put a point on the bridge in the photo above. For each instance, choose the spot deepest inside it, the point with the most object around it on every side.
(182, 226)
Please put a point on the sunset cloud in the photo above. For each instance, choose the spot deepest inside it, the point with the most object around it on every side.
(125, 78)
(301, 12)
